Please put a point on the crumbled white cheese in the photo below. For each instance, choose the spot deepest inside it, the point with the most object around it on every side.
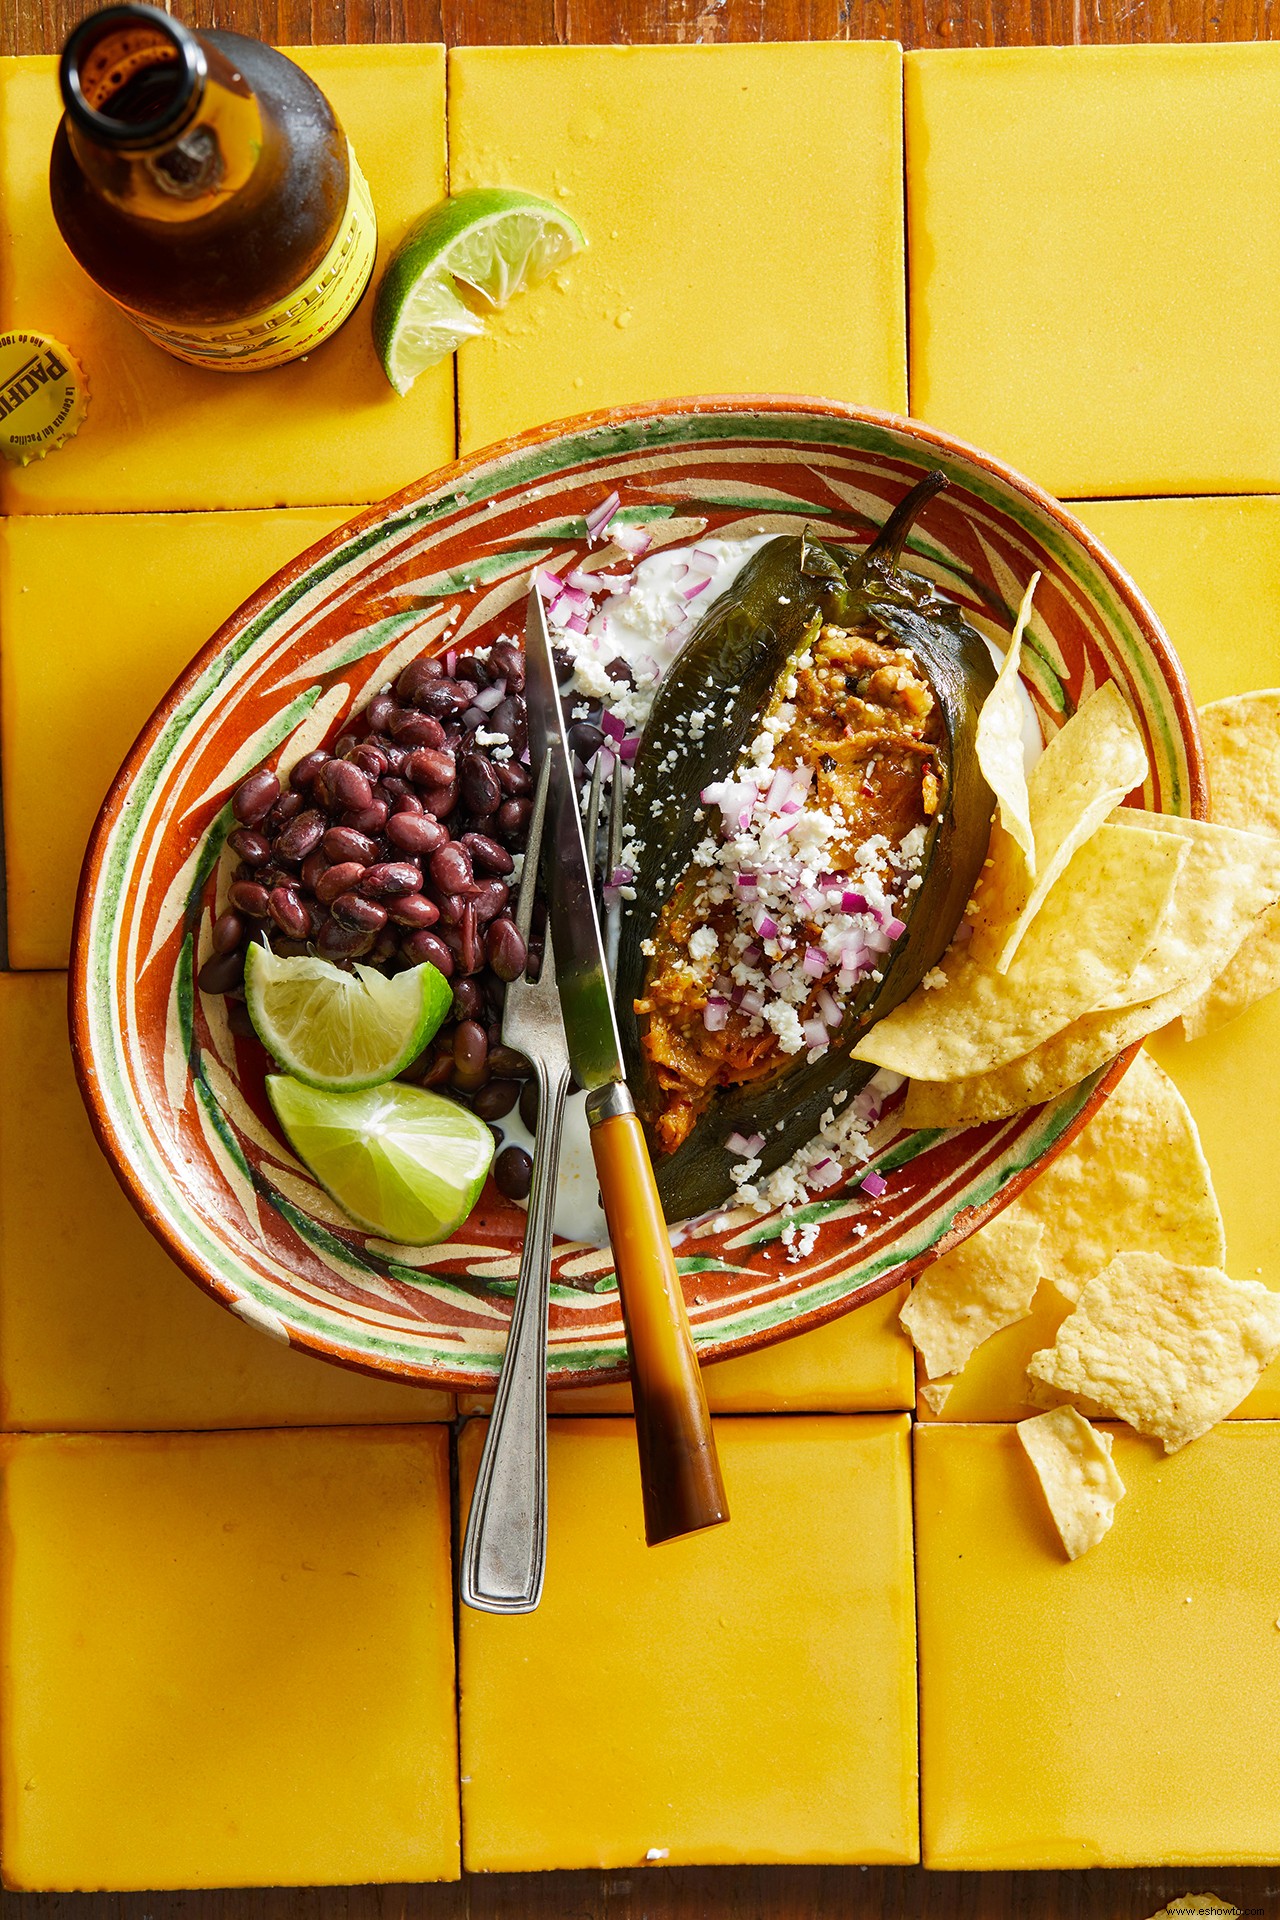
(703, 943)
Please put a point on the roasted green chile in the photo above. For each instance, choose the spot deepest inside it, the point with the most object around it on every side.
(731, 667)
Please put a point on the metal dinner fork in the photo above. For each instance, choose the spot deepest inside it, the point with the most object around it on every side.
(504, 1554)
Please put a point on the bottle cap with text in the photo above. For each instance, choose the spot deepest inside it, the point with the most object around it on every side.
(44, 395)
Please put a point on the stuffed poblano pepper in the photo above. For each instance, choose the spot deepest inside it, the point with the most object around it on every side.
(808, 821)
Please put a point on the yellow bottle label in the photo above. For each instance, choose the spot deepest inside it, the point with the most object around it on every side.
(301, 321)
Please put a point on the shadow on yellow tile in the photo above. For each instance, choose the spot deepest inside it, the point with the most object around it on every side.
(228, 1660)
(704, 180)
(1094, 261)
(744, 1694)
(98, 616)
(98, 1328)
(860, 1363)
(161, 434)
(1118, 1710)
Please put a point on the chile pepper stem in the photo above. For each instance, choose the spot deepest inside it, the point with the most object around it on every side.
(888, 543)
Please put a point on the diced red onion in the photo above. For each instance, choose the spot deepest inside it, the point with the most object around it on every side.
(751, 1001)
(874, 1184)
(779, 980)
(599, 517)
(895, 928)
(612, 727)
(746, 1146)
(779, 787)
(621, 877)
(451, 662)
(815, 962)
(550, 585)
(790, 806)
(854, 902)
(583, 582)
(577, 623)
(764, 923)
(830, 1008)
(751, 954)
(489, 698)
(824, 1175)
(815, 1033)
(628, 749)
(747, 881)
(700, 586)
(632, 540)
(852, 958)
(715, 1016)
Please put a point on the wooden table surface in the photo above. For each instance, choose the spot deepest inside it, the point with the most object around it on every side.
(744, 1893)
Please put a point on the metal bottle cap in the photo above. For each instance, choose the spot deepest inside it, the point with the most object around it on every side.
(44, 396)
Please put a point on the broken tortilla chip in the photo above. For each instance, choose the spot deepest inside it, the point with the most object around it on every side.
(985, 1283)
(1082, 948)
(1134, 1179)
(1171, 1349)
(1251, 974)
(998, 742)
(936, 1393)
(1241, 740)
(1080, 1483)
(1086, 770)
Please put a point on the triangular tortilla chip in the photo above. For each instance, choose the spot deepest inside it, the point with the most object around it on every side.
(1076, 1474)
(998, 741)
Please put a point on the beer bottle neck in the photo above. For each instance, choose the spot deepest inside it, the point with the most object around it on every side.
(158, 118)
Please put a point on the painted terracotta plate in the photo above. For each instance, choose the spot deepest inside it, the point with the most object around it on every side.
(177, 1099)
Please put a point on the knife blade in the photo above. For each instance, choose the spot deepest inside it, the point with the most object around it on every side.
(679, 1472)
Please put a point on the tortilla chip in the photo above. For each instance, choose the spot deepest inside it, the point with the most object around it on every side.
(1236, 885)
(1075, 1470)
(985, 1283)
(1135, 1179)
(936, 1393)
(1250, 976)
(998, 742)
(1172, 1349)
(1230, 878)
(1086, 770)
(1241, 739)
(1082, 947)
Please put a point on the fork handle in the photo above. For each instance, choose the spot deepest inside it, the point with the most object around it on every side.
(504, 1554)
(679, 1470)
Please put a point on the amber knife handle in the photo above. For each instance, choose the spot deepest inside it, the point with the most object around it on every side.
(679, 1470)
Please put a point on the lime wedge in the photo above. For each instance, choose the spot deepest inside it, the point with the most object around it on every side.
(468, 256)
(341, 1030)
(404, 1163)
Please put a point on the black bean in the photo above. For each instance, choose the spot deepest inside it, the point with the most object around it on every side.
(430, 735)
(476, 671)
(513, 1173)
(468, 1000)
(620, 669)
(301, 837)
(287, 948)
(586, 740)
(350, 910)
(413, 910)
(349, 785)
(314, 868)
(510, 719)
(509, 662)
(247, 896)
(412, 729)
(228, 931)
(440, 802)
(407, 803)
(337, 942)
(371, 819)
(254, 798)
(512, 817)
(432, 767)
(254, 849)
(397, 758)
(416, 833)
(496, 1100)
(440, 1072)
(428, 947)
(478, 785)
(505, 950)
(338, 879)
(389, 879)
(306, 770)
(470, 1079)
(344, 844)
(379, 711)
(286, 808)
(451, 870)
(514, 779)
(416, 678)
(529, 1105)
(221, 972)
(491, 899)
(470, 945)
(288, 912)
(443, 698)
(486, 854)
(345, 744)
(507, 1062)
(371, 760)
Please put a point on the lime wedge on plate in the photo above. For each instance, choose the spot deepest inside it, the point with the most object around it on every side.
(341, 1030)
(404, 1163)
(469, 255)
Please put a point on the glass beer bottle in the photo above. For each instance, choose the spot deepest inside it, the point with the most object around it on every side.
(203, 181)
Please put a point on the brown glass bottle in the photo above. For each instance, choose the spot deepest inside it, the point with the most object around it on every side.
(203, 181)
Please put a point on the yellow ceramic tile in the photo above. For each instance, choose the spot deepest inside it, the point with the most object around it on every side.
(163, 434)
(1211, 570)
(743, 1694)
(1095, 261)
(98, 1328)
(228, 1661)
(1116, 1710)
(743, 207)
(860, 1363)
(98, 615)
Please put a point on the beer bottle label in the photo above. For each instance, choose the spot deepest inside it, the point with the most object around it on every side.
(304, 319)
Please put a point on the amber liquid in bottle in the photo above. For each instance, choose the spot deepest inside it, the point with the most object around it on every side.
(203, 181)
